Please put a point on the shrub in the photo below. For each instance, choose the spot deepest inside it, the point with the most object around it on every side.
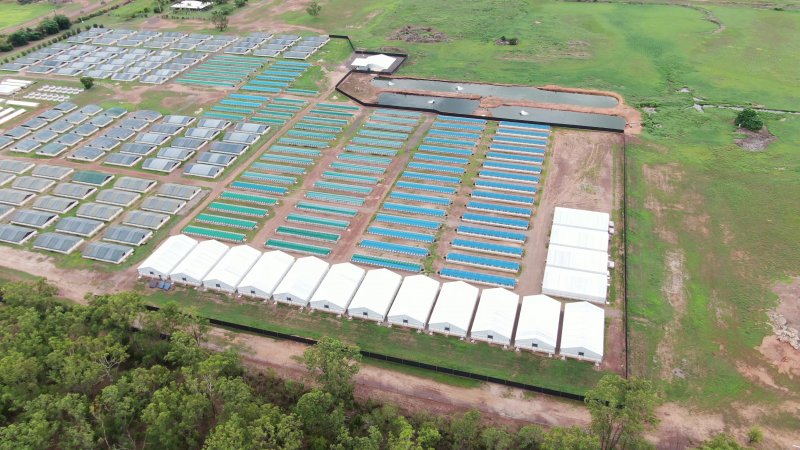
(755, 436)
(240, 3)
(6, 47)
(18, 38)
(513, 41)
(63, 21)
(314, 9)
(748, 118)
(87, 82)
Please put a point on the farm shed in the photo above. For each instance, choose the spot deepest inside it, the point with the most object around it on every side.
(581, 218)
(577, 259)
(574, 284)
(338, 288)
(537, 327)
(375, 295)
(198, 263)
(454, 308)
(583, 331)
(266, 273)
(163, 259)
(231, 269)
(579, 238)
(495, 316)
(414, 302)
(301, 281)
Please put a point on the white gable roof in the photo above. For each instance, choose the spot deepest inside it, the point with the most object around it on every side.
(538, 319)
(232, 268)
(267, 272)
(455, 304)
(168, 254)
(497, 311)
(415, 297)
(201, 260)
(339, 284)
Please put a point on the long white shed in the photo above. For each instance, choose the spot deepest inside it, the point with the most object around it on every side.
(583, 331)
(495, 316)
(592, 261)
(581, 218)
(454, 308)
(196, 265)
(231, 269)
(579, 238)
(266, 273)
(163, 259)
(338, 288)
(414, 301)
(575, 284)
(301, 281)
(537, 327)
(375, 295)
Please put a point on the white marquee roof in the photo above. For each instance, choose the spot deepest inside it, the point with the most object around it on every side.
(575, 284)
(455, 304)
(577, 259)
(168, 254)
(581, 218)
(378, 63)
(377, 290)
(201, 260)
(497, 311)
(339, 284)
(584, 327)
(234, 265)
(303, 278)
(538, 319)
(267, 272)
(579, 237)
(415, 297)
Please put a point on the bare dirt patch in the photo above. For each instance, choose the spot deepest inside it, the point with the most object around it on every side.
(675, 293)
(755, 141)
(412, 33)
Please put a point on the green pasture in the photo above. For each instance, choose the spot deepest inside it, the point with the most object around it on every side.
(14, 14)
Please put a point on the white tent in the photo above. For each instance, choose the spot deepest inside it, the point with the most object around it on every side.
(338, 288)
(574, 284)
(495, 316)
(161, 262)
(581, 218)
(192, 5)
(231, 269)
(374, 63)
(375, 295)
(198, 263)
(583, 331)
(537, 327)
(301, 281)
(577, 259)
(414, 302)
(266, 273)
(454, 308)
(579, 238)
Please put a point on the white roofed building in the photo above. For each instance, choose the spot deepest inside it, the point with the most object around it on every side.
(373, 63)
(495, 316)
(163, 259)
(537, 327)
(375, 295)
(198, 263)
(578, 259)
(191, 5)
(454, 309)
(337, 288)
(583, 331)
(414, 301)
(266, 273)
(581, 218)
(579, 238)
(231, 269)
(301, 281)
(574, 284)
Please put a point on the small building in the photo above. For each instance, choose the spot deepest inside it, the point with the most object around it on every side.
(495, 316)
(198, 263)
(575, 284)
(231, 269)
(373, 63)
(583, 331)
(301, 281)
(163, 259)
(191, 5)
(338, 288)
(454, 309)
(266, 273)
(537, 327)
(375, 295)
(414, 301)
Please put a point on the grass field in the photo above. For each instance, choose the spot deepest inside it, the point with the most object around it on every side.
(568, 375)
(14, 14)
(692, 194)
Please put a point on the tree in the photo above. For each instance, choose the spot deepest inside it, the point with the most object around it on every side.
(63, 21)
(465, 431)
(240, 3)
(18, 38)
(572, 438)
(749, 118)
(87, 82)
(530, 437)
(314, 9)
(320, 415)
(333, 364)
(220, 20)
(48, 27)
(721, 442)
(497, 439)
(621, 410)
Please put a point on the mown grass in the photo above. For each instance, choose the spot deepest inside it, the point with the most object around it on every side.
(730, 213)
(16, 14)
(567, 375)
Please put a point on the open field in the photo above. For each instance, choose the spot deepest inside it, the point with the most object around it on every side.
(16, 14)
